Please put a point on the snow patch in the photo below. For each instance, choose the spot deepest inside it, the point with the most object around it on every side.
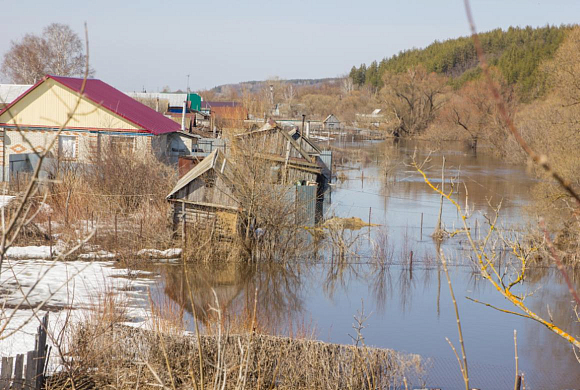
(63, 288)
(171, 253)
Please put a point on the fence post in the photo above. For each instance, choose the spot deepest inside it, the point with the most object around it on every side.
(116, 232)
(29, 380)
(50, 235)
(6, 373)
(18, 382)
(183, 229)
(41, 352)
(370, 211)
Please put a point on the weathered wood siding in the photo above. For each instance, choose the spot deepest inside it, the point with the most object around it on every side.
(209, 188)
(272, 142)
(295, 174)
(225, 221)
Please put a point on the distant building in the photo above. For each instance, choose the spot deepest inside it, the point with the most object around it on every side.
(375, 119)
(101, 115)
(225, 110)
(331, 123)
(169, 102)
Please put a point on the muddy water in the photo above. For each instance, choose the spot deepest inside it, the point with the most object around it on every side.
(408, 305)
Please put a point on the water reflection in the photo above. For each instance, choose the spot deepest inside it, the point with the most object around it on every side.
(411, 309)
(279, 301)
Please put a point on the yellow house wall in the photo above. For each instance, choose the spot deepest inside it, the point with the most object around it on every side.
(37, 141)
(49, 105)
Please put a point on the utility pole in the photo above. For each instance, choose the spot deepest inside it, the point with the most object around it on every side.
(272, 107)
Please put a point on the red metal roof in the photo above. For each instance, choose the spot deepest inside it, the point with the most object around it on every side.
(116, 101)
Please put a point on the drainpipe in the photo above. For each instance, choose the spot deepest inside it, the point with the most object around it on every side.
(4, 155)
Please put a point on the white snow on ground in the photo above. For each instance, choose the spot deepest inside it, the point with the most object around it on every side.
(97, 255)
(5, 199)
(43, 252)
(320, 138)
(171, 253)
(30, 252)
(60, 285)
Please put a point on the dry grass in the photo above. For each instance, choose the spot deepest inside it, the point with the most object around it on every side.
(120, 197)
(138, 359)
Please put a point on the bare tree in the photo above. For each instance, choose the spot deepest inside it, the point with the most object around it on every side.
(289, 92)
(347, 85)
(65, 50)
(413, 98)
(24, 63)
(59, 51)
(472, 110)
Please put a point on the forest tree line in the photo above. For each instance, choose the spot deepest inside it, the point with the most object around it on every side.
(516, 52)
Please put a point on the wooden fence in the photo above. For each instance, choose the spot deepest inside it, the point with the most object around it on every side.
(16, 375)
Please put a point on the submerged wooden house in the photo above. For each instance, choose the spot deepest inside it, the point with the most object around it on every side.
(205, 195)
(213, 191)
(295, 157)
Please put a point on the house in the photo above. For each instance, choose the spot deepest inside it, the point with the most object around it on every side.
(331, 123)
(92, 115)
(225, 110)
(168, 102)
(293, 157)
(206, 195)
(209, 193)
(375, 119)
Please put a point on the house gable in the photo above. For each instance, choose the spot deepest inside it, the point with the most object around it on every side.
(49, 104)
(331, 119)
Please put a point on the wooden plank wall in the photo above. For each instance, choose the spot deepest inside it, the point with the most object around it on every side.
(15, 375)
(224, 221)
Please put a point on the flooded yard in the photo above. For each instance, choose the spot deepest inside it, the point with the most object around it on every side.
(406, 302)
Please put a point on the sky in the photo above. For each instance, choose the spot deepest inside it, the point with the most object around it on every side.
(136, 45)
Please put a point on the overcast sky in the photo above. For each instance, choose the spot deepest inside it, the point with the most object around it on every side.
(150, 44)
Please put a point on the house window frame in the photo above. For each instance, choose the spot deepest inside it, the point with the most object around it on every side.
(122, 143)
(62, 148)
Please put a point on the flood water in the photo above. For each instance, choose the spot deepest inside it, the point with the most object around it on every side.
(409, 306)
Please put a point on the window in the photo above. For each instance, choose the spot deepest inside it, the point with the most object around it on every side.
(67, 146)
(122, 144)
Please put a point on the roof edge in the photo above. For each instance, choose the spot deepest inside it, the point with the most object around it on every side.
(7, 108)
